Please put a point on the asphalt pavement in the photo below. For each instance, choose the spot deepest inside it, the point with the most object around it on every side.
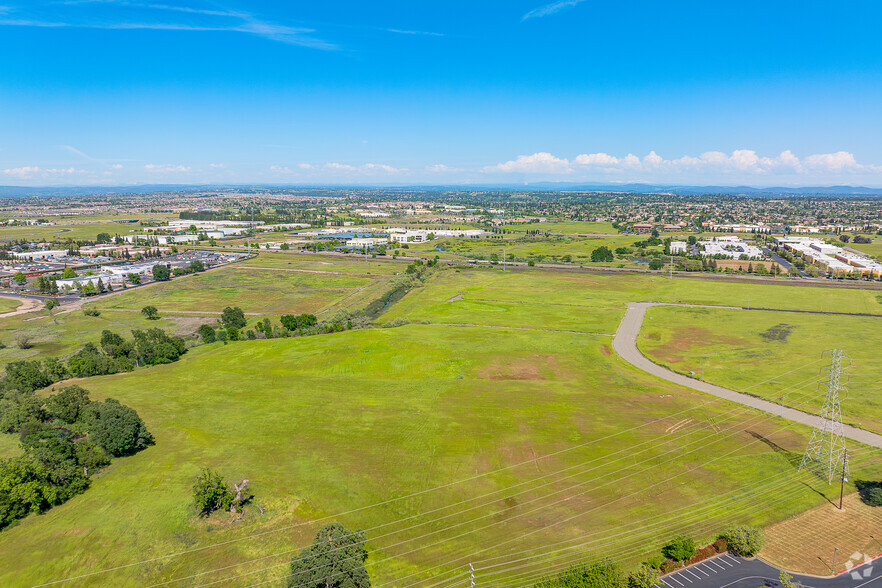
(731, 571)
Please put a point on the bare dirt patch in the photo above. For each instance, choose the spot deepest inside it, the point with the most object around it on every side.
(685, 338)
(525, 368)
(605, 350)
(805, 543)
(455, 298)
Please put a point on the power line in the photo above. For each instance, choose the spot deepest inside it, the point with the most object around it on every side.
(761, 418)
(682, 433)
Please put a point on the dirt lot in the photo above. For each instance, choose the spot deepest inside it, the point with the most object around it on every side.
(806, 542)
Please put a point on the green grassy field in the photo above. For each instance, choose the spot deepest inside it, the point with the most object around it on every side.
(538, 249)
(66, 333)
(9, 446)
(511, 368)
(738, 349)
(566, 227)
(7, 305)
(263, 291)
(66, 230)
(322, 425)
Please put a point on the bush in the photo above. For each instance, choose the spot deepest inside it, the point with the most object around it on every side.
(679, 548)
(92, 312)
(210, 493)
(150, 312)
(656, 561)
(604, 574)
(669, 566)
(873, 496)
(643, 577)
(744, 541)
(720, 545)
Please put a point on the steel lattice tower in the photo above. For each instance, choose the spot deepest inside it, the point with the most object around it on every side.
(825, 452)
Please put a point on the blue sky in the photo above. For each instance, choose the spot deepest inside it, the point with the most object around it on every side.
(228, 91)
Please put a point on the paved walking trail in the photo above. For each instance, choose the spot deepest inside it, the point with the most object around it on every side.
(625, 345)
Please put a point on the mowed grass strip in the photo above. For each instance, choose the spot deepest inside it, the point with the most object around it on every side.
(328, 424)
(739, 348)
(254, 290)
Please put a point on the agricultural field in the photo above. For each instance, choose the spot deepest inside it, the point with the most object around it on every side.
(738, 349)
(67, 229)
(395, 418)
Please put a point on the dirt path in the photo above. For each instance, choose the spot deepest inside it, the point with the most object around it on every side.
(625, 345)
(27, 305)
(169, 311)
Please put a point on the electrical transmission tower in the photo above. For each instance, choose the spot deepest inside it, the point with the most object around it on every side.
(825, 453)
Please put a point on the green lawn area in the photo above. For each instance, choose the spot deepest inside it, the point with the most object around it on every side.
(873, 249)
(566, 227)
(8, 304)
(739, 349)
(339, 423)
(264, 291)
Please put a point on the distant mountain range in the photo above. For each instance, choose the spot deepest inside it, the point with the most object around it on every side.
(72, 191)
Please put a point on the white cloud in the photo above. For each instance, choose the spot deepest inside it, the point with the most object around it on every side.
(116, 166)
(440, 168)
(538, 163)
(22, 173)
(549, 9)
(217, 165)
(167, 169)
(366, 169)
(741, 162)
(305, 165)
(280, 169)
(29, 172)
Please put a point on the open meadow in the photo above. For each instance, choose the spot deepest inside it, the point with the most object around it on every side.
(498, 428)
(739, 348)
(337, 423)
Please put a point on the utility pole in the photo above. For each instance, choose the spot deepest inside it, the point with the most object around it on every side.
(472, 574)
(844, 477)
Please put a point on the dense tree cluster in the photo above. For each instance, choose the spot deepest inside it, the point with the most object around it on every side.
(65, 439)
(603, 574)
(115, 354)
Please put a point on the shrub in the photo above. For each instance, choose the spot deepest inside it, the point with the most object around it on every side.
(669, 566)
(210, 493)
(720, 545)
(604, 574)
(679, 548)
(874, 496)
(22, 341)
(150, 313)
(643, 577)
(92, 312)
(745, 541)
(656, 561)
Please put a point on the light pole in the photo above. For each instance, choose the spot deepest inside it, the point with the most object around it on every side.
(833, 569)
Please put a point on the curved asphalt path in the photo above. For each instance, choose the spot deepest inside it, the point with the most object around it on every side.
(731, 571)
(625, 345)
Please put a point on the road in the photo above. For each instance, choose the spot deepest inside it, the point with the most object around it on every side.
(625, 345)
(731, 571)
